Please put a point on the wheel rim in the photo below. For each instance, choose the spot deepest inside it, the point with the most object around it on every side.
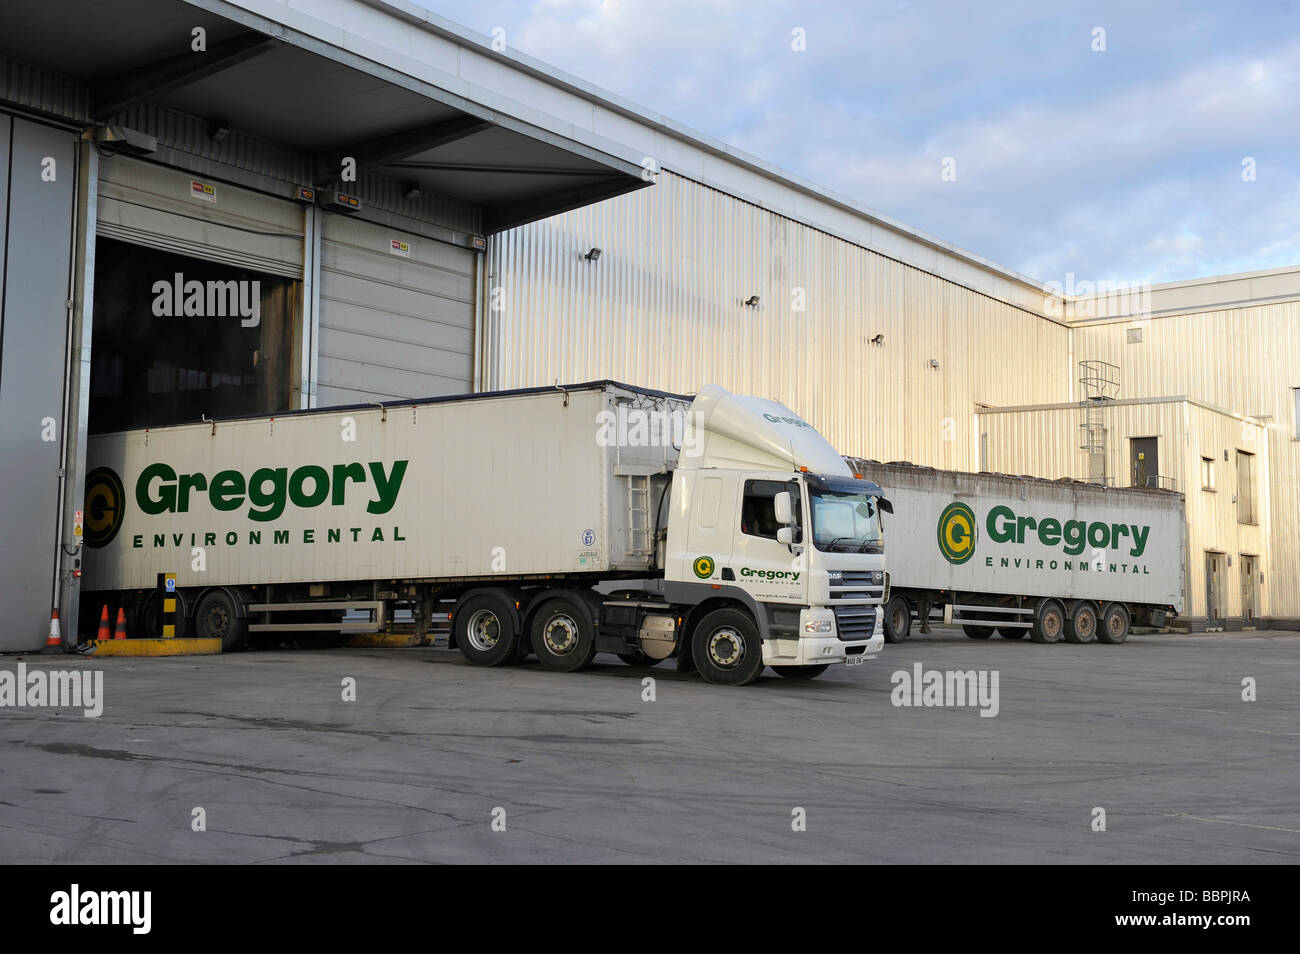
(1051, 623)
(483, 630)
(216, 620)
(896, 620)
(561, 634)
(1085, 624)
(1115, 624)
(726, 648)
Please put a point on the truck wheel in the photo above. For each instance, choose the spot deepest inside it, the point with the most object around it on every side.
(563, 637)
(801, 672)
(1081, 624)
(898, 620)
(726, 648)
(1006, 633)
(977, 632)
(1114, 624)
(217, 617)
(1049, 622)
(485, 631)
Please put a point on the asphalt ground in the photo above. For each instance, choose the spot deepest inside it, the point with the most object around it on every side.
(435, 757)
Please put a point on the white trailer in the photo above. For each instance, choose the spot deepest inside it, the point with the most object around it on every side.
(1057, 559)
(559, 521)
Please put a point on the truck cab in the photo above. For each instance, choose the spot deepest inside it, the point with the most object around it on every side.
(765, 516)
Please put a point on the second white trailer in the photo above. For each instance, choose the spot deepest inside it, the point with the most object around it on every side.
(1054, 559)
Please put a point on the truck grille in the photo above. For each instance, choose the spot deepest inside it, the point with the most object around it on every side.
(856, 586)
(856, 622)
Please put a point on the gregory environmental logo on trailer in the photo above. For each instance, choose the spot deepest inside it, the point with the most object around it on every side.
(261, 497)
(1017, 536)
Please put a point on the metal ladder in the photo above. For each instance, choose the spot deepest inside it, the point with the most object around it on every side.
(640, 529)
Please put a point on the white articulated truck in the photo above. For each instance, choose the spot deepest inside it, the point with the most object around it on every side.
(564, 521)
(1054, 559)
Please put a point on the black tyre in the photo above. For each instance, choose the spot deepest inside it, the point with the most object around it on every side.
(1009, 632)
(1049, 622)
(977, 632)
(1081, 623)
(726, 648)
(217, 617)
(801, 672)
(563, 635)
(898, 620)
(485, 631)
(1115, 623)
(639, 662)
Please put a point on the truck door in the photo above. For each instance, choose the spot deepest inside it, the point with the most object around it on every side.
(760, 563)
(711, 525)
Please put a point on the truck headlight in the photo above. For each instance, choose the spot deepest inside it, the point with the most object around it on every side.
(818, 626)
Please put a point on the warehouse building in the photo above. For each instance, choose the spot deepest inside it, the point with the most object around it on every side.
(216, 208)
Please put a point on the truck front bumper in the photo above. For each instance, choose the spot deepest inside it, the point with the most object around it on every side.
(816, 650)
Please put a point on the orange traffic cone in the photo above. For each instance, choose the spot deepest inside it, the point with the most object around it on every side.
(119, 632)
(103, 633)
(54, 642)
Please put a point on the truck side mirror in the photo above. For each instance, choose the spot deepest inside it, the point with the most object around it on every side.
(784, 509)
(884, 504)
(785, 535)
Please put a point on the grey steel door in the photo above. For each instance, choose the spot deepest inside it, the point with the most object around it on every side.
(1213, 593)
(1249, 590)
(37, 182)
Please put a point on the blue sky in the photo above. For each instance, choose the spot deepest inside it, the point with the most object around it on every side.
(1122, 165)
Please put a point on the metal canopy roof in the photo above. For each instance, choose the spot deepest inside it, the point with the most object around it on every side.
(300, 91)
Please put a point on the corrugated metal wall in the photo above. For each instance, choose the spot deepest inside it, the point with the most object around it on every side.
(663, 308)
(1246, 360)
(1038, 442)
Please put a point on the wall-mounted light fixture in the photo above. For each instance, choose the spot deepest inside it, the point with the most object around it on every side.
(752, 301)
(934, 363)
(878, 341)
(411, 190)
(218, 130)
(593, 254)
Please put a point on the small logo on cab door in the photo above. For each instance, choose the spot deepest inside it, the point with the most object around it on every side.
(703, 567)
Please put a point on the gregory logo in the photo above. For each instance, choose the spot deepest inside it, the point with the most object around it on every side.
(957, 533)
(703, 567)
(104, 501)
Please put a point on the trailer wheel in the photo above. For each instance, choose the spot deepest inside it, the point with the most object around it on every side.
(217, 617)
(977, 632)
(1115, 624)
(801, 672)
(898, 620)
(1081, 624)
(485, 631)
(1049, 622)
(1007, 633)
(563, 636)
(726, 648)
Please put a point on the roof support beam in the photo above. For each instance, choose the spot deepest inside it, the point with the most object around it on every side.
(508, 216)
(149, 82)
(387, 149)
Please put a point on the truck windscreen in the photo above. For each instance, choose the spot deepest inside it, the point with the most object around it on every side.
(844, 521)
